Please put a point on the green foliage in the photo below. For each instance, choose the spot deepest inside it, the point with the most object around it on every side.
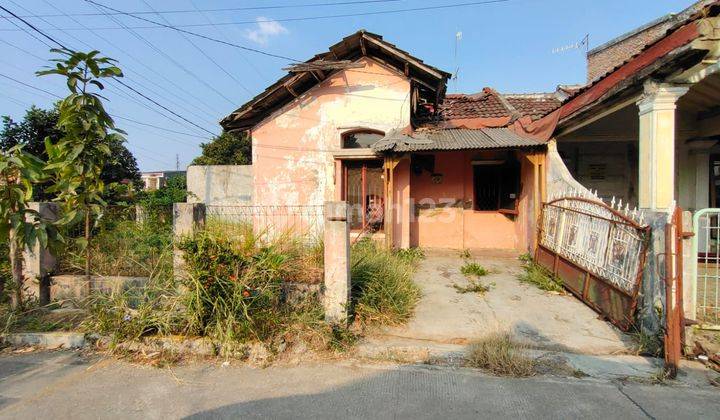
(232, 294)
(537, 275)
(174, 191)
(21, 226)
(410, 255)
(77, 160)
(39, 124)
(473, 269)
(226, 149)
(383, 290)
(122, 246)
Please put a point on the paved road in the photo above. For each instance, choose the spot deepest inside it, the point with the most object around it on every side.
(67, 385)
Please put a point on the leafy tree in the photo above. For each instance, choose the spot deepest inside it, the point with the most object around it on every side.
(226, 149)
(38, 124)
(174, 191)
(76, 161)
(20, 226)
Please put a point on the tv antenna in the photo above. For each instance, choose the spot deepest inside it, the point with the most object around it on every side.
(458, 38)
(574, 46)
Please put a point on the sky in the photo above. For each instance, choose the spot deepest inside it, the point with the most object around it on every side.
(507, 45)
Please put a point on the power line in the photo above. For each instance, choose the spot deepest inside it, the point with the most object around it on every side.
(169, 58)
(117, 80)
(145, 66)
(229, 9)
(220, 32)
(206, 55)
(295, 19)
(110, 88)
(176, 28)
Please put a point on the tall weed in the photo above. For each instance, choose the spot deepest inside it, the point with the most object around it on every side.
(382, 287)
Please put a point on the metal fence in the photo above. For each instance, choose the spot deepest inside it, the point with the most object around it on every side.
(269, 222)
(598, 250)
(706, 248)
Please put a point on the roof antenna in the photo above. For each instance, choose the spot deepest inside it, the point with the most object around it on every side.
(574, 46)
(458, 38)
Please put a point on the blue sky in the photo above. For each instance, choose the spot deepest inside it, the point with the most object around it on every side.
(506, 45)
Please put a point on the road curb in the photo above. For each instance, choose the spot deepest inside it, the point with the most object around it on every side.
(50, 340)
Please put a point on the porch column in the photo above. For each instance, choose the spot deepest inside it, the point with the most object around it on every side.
(657, 146)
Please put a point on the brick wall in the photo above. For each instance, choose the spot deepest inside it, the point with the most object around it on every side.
(606, 59)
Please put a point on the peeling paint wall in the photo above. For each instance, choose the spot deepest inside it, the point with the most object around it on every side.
(292, 149)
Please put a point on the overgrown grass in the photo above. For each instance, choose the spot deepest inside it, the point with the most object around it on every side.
(120, 248)
(538, 276)
(647, 344)
(471, 268)
(474, 286)
(382, 287)
(500, 355)
(231, 293)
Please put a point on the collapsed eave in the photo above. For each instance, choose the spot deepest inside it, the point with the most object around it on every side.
(430, 81)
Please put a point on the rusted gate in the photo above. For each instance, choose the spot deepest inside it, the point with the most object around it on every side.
(597, 250)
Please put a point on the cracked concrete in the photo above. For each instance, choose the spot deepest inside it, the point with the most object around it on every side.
(541, 319)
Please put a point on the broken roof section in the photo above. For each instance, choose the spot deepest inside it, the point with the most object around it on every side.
(490, 108)
(429, 81)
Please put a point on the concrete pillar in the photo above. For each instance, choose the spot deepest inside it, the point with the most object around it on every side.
(38, 262)
(657, 146)
(337, 262)
(188, 218)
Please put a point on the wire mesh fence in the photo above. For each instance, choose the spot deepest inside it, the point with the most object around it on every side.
(269, 222)
(707, 250)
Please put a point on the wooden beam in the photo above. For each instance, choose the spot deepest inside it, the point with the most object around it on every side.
(289, 89)
(407, 69)
(362, 47)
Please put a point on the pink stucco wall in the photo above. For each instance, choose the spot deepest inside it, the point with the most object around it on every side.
(456, 225)
(293, 148)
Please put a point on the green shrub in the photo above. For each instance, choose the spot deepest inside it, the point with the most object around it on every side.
(539, 276)
(382, 288)
(231, 293)
(473, 269)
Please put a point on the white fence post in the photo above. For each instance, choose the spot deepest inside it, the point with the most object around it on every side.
(337, 262)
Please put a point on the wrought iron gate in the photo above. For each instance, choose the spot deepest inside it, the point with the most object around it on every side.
(597, 250)
(706, 268)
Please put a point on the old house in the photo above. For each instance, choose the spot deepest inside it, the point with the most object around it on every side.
(370, 124)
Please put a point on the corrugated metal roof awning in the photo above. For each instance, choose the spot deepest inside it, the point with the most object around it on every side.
(453, 139)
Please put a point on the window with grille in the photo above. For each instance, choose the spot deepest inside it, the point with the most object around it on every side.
(496, 185)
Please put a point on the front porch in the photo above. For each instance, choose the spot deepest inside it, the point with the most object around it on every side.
(470, 193)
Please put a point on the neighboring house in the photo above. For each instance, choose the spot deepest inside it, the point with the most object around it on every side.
(158, 179)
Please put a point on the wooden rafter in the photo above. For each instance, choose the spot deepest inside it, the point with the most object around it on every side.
(323, 65)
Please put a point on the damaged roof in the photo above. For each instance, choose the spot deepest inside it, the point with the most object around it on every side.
(430, 81)
(453, 139)
(501, 108)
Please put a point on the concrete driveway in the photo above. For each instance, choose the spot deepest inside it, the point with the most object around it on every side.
(543, 320)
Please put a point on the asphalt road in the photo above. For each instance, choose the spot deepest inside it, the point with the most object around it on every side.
(69, 385)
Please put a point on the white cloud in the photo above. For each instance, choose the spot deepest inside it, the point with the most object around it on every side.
(266, 28)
